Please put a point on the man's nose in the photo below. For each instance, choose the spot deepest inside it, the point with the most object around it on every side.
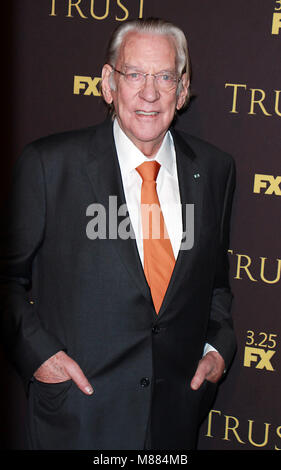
(149, 90)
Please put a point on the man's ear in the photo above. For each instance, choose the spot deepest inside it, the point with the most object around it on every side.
(183, 91)
(105, 84)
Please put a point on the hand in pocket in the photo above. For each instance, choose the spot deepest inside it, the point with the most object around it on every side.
(60, 368)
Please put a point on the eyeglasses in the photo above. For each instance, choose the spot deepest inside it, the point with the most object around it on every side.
(166, 81)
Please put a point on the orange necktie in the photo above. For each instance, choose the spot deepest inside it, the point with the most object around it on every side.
(159, 260)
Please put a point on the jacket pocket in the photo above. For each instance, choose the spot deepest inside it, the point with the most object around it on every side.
(51, 396)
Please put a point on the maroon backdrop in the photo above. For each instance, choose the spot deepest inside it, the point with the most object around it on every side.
(236, 105)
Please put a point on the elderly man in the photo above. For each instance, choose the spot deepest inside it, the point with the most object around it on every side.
(120, 340)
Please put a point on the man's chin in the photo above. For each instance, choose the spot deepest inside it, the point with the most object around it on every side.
(147, 134)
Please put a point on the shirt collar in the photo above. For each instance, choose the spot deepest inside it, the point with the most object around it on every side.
(130, 156)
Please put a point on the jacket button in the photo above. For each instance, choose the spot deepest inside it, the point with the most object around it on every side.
(155, 329)
(144, 382)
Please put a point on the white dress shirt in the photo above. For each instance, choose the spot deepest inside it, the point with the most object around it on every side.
(129, 157)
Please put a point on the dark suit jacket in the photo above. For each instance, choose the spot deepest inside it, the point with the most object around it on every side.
(62, 290)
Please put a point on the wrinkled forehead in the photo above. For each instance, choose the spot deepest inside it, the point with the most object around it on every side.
(147, 50)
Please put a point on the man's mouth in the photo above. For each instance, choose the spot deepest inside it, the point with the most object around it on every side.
(147, 113)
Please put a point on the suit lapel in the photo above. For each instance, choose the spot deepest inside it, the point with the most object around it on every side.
(105, 176)
(191, 192)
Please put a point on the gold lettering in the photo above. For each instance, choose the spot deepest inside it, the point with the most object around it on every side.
(80, 83)
(258, 355)
(268, 182)
(86, 83)
(276, 23)
(239, 267)
(277, 102)
(124, 9)
(234, 101)
(265, 363)
(76, 5)
(210, 422)
(258, 101)
(92, 88)
(251, 355)
(233, 429)
(267, 425)
(260, 181)
(277, 279)
(141, 9)
(274, 187)
(53, 8)
(99, 17)
(278, 432)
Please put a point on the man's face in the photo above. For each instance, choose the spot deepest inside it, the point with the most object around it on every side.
(148, 54)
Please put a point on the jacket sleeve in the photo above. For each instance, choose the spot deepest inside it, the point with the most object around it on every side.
(26, 342)
(220, 329)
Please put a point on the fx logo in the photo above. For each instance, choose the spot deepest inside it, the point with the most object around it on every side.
(269, 184)
(88, 84)
(260, 356)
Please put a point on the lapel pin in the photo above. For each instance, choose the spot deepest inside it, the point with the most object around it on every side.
(196, 175)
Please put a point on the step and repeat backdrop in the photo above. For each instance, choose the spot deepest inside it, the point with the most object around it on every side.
(57, 49)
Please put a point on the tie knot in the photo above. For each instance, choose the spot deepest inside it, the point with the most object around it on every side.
(149, 170)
